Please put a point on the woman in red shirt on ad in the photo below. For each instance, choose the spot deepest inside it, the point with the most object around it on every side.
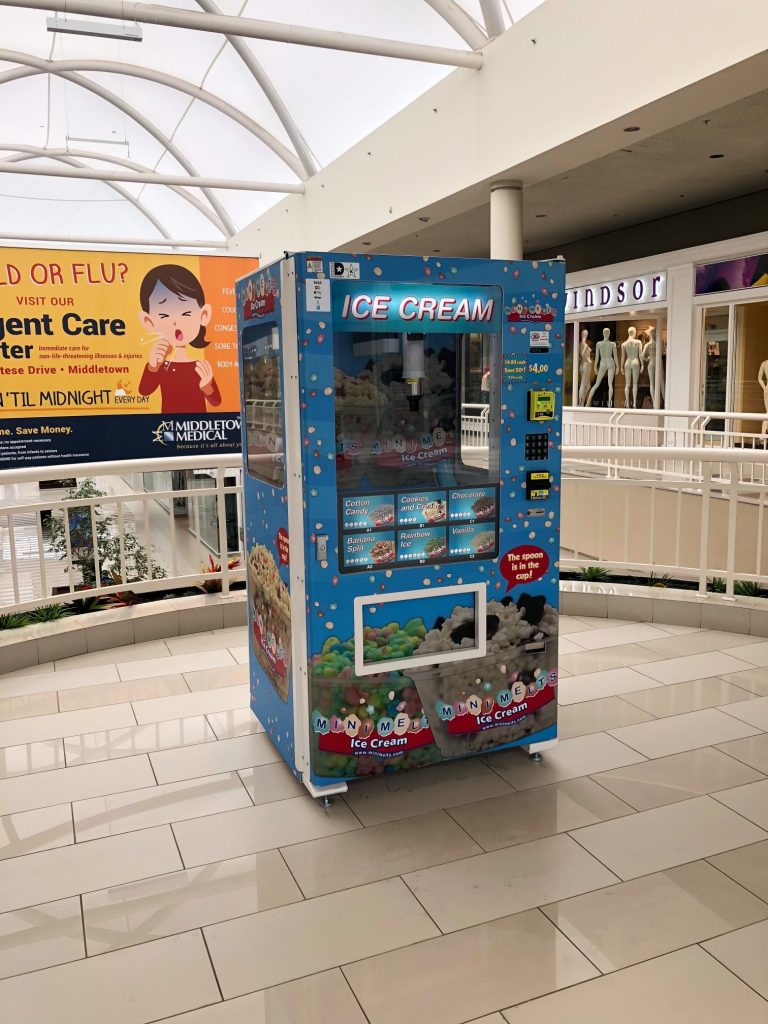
(175, 310)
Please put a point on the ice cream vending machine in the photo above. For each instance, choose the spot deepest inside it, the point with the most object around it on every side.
(401, 437)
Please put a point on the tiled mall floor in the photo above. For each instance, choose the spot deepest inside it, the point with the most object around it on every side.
(159, 862)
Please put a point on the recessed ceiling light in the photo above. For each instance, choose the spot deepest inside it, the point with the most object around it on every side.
(367, 243)
(632, 128)
(424, 220)
(681, 196)
(716, 156)
(540, 215)
(435, 250)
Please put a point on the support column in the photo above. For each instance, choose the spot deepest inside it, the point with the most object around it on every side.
(507, 220)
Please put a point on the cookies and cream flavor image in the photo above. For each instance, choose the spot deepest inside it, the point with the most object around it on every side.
(270, 618)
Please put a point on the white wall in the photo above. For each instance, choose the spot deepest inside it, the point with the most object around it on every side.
(534, 109)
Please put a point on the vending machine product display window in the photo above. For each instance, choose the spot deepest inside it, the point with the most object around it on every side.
(401, 423)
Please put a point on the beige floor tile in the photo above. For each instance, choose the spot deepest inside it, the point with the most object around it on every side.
(28, 706)
(228, 724)
(31, 757)
(593, 685)
(186, 705)
(25, 792)
(755, 653)
(674, 630)
(31, 670)
(751, 801)
(536, 813)
(688, 984)
(568, 625)
(668, 780)
(175, 663)
(254, 829)
(493, 1018)
(339, 863)
(215, 678)
(234, 635)
(603, 659)
(157, 805)
(748, 866)
(271, 782)
(121, 693)
(570, 759)
(667, 836)
(39, 937)
(213, 758)
(596, 716)
(137, 739)
(111, 655)
(124, 915)
(694, 666)
(477, 889)
(754, 712)
(131, 986)
(451, 978)
(615, 636)
(240, 654)
(752, 751)
(193, 642)
(744, 953)
(54, 874)
(70, 723)
(32, 831)
(319, 999)
(698, 642)
(753, 679)
(635, 921)
(682, 732)
(429, 789)
(45, 682)
(681, 698)
(317, 934)
(566, 646)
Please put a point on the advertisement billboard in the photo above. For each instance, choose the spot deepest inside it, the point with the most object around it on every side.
(107, 355)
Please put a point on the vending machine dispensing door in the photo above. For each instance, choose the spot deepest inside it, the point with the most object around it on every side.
(402, 509)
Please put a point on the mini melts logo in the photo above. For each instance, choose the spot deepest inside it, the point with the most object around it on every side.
(163, 433)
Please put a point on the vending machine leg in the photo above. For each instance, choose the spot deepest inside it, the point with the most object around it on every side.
(324, 793)
(535, 750)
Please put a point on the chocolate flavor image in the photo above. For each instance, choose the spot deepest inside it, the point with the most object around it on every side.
(484, 508)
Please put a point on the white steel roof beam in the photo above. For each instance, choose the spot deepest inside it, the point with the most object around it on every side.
(111, 242)
(252, 28)
(161, 78)
(493, 17)
(70, 161)
(135, 115)
(270, 91)
(86, 154)
(461, 23)
(153, 178)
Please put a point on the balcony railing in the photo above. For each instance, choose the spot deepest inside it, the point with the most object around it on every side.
(695, 513)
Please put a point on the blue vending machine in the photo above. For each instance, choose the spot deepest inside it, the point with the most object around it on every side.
(401, 437)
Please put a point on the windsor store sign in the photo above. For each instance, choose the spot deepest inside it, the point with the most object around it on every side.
(628, 291)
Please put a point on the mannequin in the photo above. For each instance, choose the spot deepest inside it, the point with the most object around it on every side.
(606, 362)
(631, 357)
(762, 380)
(649, 357)
(585, 373)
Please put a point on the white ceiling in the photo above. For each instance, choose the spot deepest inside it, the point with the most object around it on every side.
(334, 99)
(661, 175)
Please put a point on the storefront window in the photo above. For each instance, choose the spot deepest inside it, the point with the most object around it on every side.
(714, 376)
(621, 363)
(750, 364)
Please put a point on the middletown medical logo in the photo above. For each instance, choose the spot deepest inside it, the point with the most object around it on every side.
(181, 432)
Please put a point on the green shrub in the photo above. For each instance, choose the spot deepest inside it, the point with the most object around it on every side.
(716, 585)
(49, 613)
(14, 620)
(747, 588)
(594, 574)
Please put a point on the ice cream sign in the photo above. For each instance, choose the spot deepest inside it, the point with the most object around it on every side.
(401, 307)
